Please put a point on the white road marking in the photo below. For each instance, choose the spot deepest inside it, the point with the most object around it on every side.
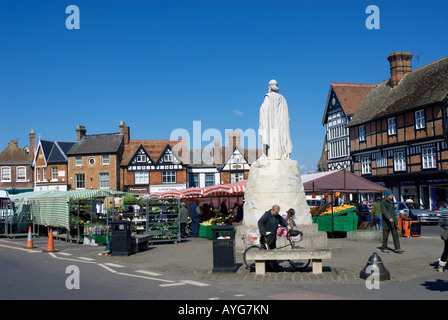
(113, 265)
(196, 283)
(87, 259)
(149, 273)
(172, 284)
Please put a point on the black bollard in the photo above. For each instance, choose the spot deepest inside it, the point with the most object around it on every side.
(376, 261)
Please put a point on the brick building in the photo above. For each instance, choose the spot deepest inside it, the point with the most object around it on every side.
(16, 171)
(399, 135)
(51, 165)
(151, 166)
(94, 160)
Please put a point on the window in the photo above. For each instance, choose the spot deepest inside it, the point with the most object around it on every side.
(365, 165)
(80, 180)
(209, 180)
(167, 157)
(237, 176)
(21, 174)
(54, 173)
(429, 158)
(391, 126)
(44, 174)
(37, 174)
(141, 177)
(362, 133)
(194, 180)
(381, 159)
(419, 119)
(104, 180)
(105, 161)
(6, 174)
(169, 177)
(91, 161)
(400, 161)
(78, 161)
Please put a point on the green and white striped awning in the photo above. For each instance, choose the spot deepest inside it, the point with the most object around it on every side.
(51, 208)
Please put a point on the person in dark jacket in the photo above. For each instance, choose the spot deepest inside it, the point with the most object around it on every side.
(390, 222)
(268, 224)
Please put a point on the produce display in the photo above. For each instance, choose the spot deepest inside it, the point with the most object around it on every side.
(214, 221)
(338, 210)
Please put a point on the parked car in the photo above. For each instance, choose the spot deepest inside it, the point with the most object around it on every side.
(414, 209)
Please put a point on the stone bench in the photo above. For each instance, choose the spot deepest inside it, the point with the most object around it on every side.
(140, 242)
(261, 256)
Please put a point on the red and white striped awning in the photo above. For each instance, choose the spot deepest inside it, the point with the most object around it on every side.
(238, 187)
(191, 192)
(170, 194)
(216, 190)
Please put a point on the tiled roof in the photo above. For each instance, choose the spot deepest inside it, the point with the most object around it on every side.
(350, 96)
(96, 144)
(419, 88)
(154, 148)
(55, 151)
(14, 154)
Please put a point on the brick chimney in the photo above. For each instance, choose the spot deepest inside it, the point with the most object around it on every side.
(234, 139)
(125, 130)
(400, 64)
(32, 143)
(80, 132)
(217, 153)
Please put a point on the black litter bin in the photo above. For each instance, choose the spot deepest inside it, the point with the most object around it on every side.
(224, 249)
(121, 238)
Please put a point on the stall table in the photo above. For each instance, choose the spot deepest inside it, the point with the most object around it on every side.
(344, 221)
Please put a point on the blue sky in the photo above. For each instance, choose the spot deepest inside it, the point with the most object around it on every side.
(160, 65)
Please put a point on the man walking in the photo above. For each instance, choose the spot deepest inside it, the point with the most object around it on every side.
(389, 222)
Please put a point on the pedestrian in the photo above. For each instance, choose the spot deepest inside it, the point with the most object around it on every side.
(194, 219)
(224, 210)
(389, 222)
(443, 222)
(240, 213)
(267, 225)
(375, 214)
(183, 219)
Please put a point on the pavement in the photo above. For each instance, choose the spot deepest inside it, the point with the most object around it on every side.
(194, 257)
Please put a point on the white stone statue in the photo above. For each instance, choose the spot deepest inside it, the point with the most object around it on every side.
(274, 125)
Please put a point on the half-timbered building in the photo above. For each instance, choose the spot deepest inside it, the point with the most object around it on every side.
(343, 101)
(399, 135)
(152, 166)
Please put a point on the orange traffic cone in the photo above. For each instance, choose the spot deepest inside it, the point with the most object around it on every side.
(29, 242)
(50, 245)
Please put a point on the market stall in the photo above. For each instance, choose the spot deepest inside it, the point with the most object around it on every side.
(332, 184)
(67, 210)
